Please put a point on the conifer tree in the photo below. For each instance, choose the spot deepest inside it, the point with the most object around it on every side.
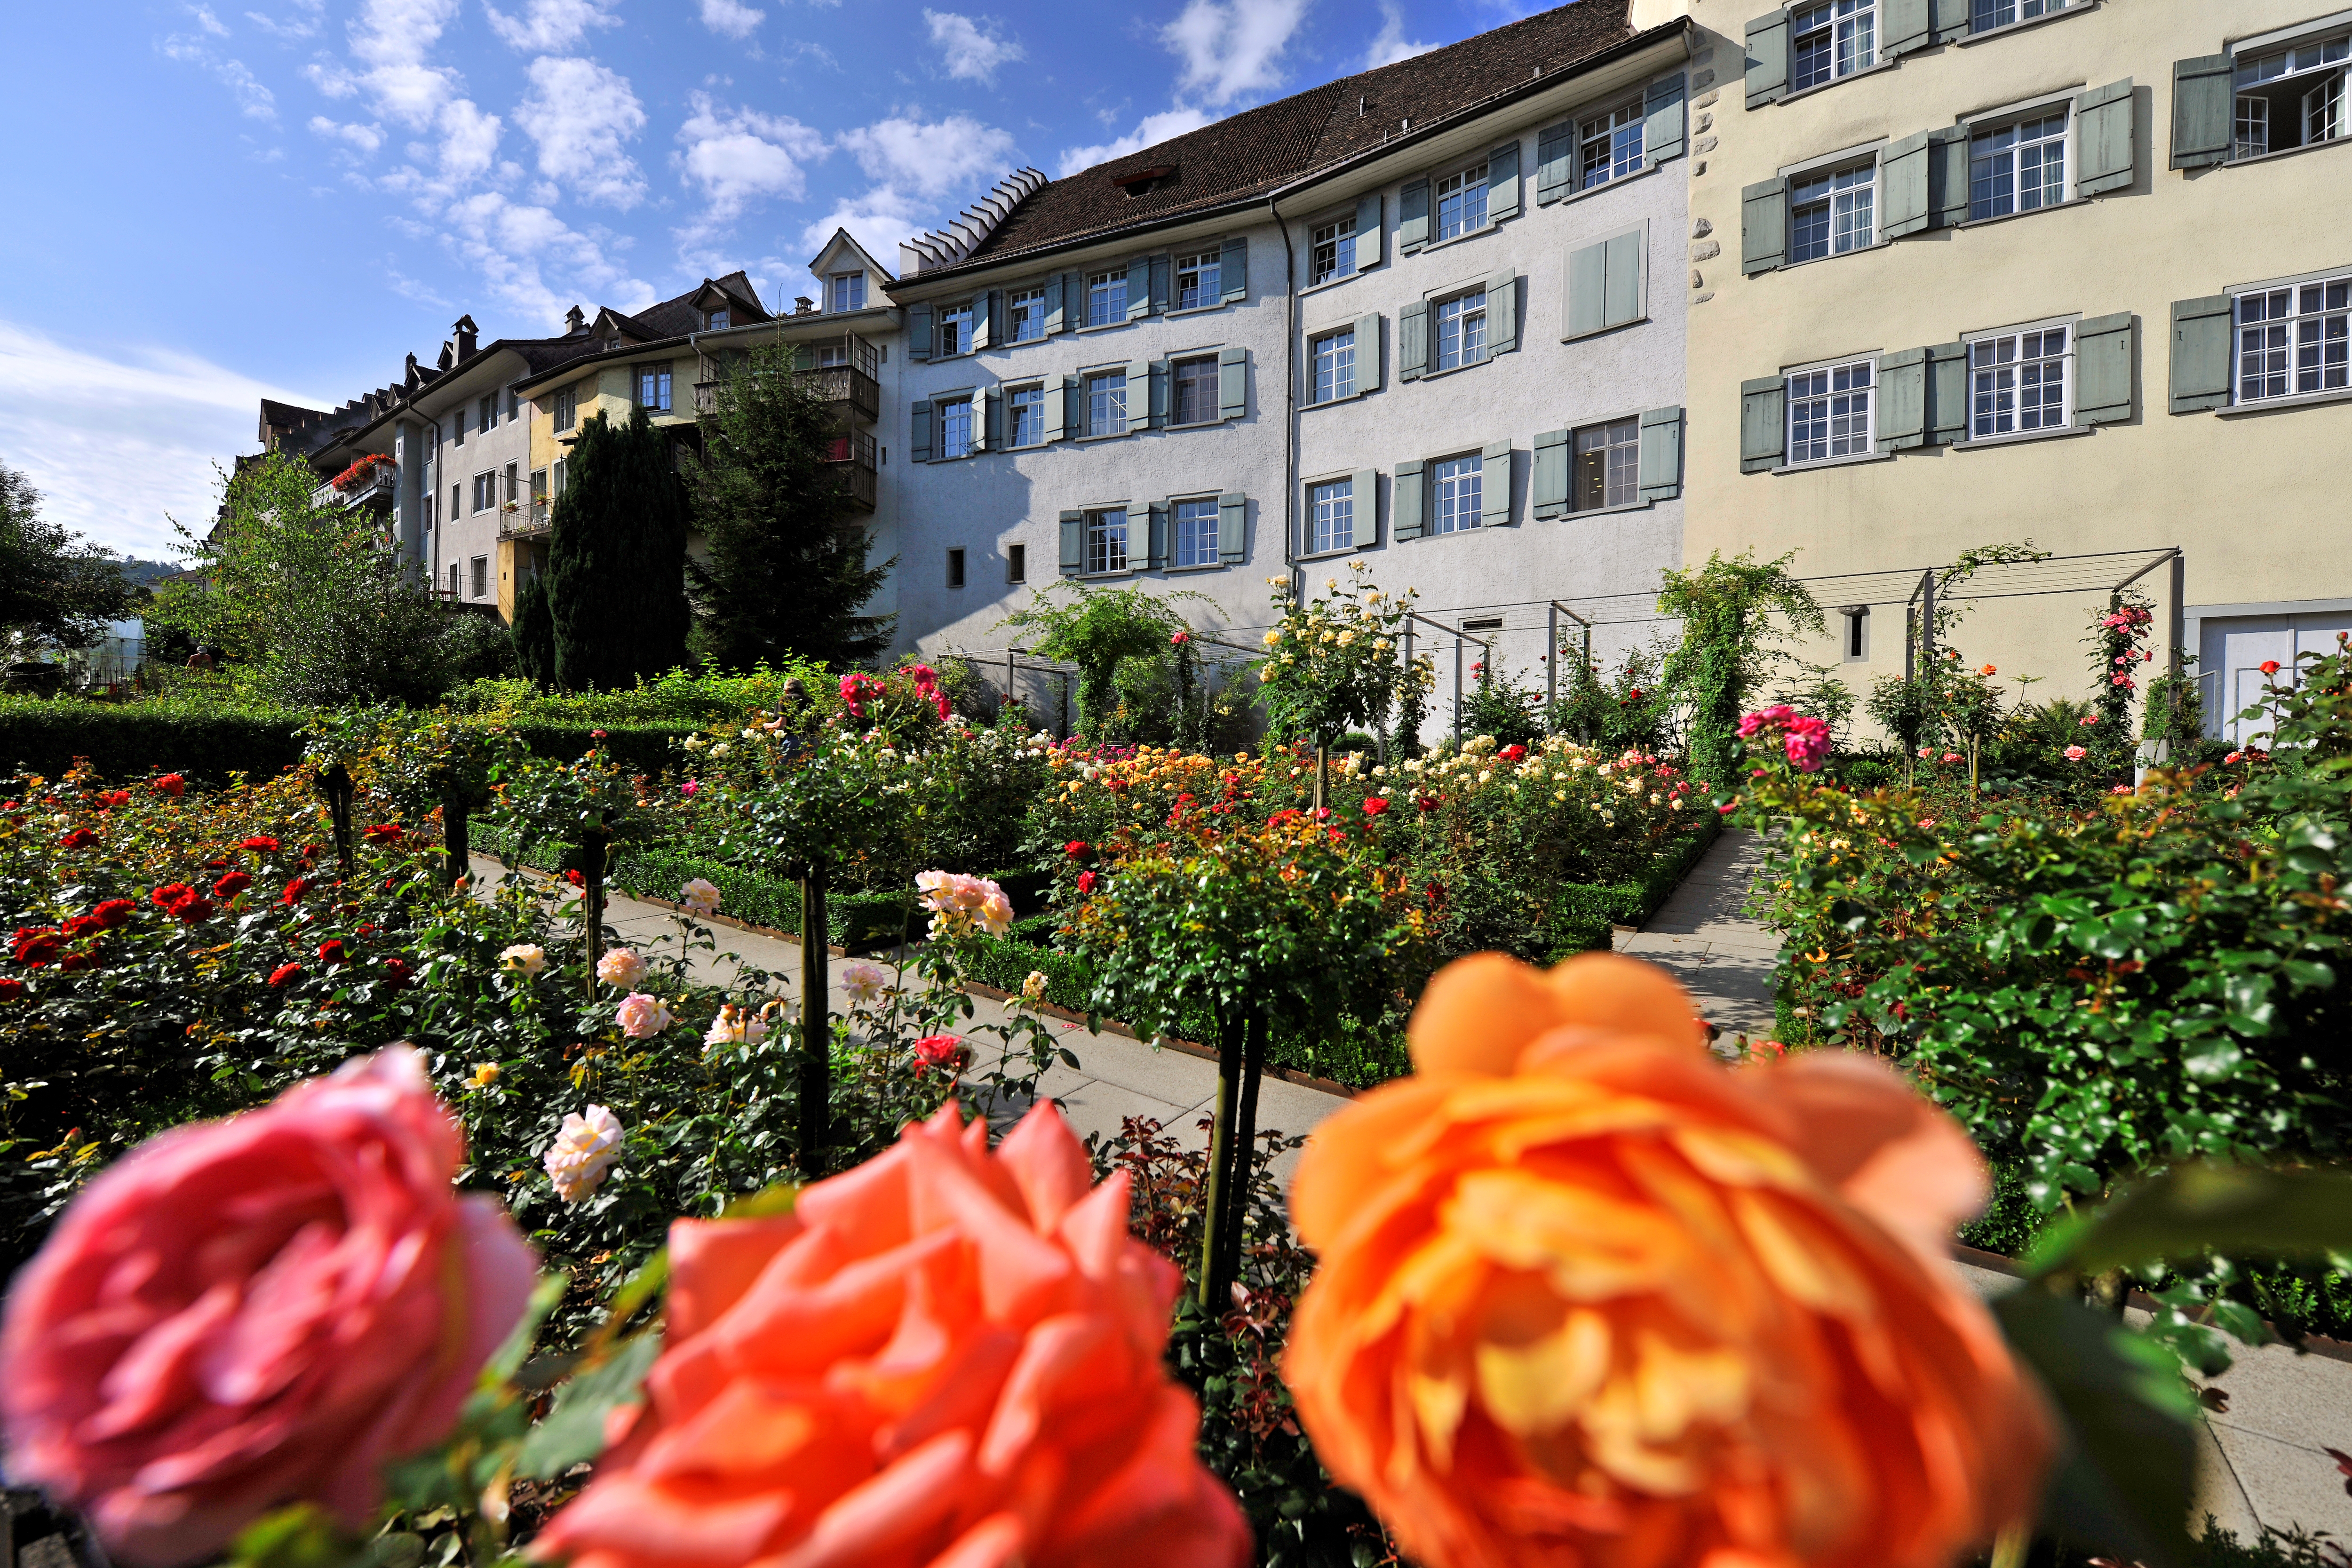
(617, 558)
(534, 632)
(787, 568)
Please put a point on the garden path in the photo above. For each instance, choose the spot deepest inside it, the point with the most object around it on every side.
(1702, 937)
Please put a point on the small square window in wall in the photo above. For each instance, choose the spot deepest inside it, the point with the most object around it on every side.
(2291, 98)
(955, 328)
(1855, 641)
(955, 568)
(1196, 279)
(1462, 330)
(1334, 365)
(1106, 297)
(1462, 203)
(653, 387)
(2017, 381)
(1106, 540)
(1455, 487)
(2018, 168)
(1016, 564)
(1608, 464)
(1028, 422)
(1332, 523)
(1832, 214)
(846, 291)
(1831, 40)
(1107, 403)
(1609, 146)
(1192, 399)
(1332, 249)
(1829, 413)
(1025, 315)
(1196, 532)
(2295, 341)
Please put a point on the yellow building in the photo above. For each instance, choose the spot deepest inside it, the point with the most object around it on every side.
(1969, 272)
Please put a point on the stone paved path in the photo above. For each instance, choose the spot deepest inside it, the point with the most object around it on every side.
(1699, 935)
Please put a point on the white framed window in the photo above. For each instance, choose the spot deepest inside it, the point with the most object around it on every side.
(1833, 213)
(1107, 403)
(458, 429)
(2292, 97)
(1606, 465)
(2019, 167)
(1028, 405)
(2020, 381)
(1196, 532)
(514, 407)
(955, 427)
(1331, 510)
(846, 291)
(511, 489)
(653, 387)
(1331, 250)
(1855, 641)
(1106, 297)
(1986, 14)
(1608, 146)
(832, 356)
(1106, 540)
(1334, 358)
(1193, 391)
(1196, 279)
(717, 320)
(452, 579)
(1462, 330)
(487, 413)
(1462, 202)
(567, 408)
(2294, 340)
(477, 575)
(955, 330)
(1830, 40)
(486, 492)
(1453, 484)
(560, 478)
(1829, 412)
(1024, 315)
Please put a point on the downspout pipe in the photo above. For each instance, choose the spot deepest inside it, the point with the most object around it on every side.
(1289, 402)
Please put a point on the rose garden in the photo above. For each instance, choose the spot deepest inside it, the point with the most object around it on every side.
(370, 1201)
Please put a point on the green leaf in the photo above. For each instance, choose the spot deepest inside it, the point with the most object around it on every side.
(302, 1535)
(2193, 1209)
(2122, 1482)
(575, 1429)
(508, 1358)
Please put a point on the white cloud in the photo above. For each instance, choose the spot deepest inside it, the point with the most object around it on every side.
(208, 21)
(581, 114)
(1391, 45)
(731, 18)
(929, 159)
(738, 154)
(302, 26)
(876, 220)
(114, 443)
(529, 257)
(253, 100)
(969, 46)
(549, 25)
(1230, 47)
(391, 40)
(470, 141)
(1153, 129)
(366, 139)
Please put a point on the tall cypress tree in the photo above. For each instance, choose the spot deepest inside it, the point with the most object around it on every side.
(787, 571)
(617, 558)
(534, 632)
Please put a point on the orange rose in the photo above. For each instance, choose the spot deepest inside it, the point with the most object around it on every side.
(1590, 1298)
(945, 1356)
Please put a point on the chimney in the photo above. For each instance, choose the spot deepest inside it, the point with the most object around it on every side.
(467, 334)
(408, 382)
(802, 305)
(574, 324)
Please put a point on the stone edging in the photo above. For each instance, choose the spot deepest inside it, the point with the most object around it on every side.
(1994, 1263)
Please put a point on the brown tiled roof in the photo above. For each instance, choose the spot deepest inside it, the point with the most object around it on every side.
(1261, 149)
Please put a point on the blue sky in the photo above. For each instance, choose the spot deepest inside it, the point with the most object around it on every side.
(215, 201)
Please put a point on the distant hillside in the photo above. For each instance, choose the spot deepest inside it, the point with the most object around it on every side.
(147, 574)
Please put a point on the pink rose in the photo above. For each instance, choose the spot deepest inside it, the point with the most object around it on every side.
(1771, 718)
(641, 1016)
(2076, 754)
(246, 1313)
(1806, 741)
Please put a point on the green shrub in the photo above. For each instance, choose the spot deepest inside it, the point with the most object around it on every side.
(133, 739)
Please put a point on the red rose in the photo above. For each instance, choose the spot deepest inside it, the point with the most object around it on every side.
(294, 890)
(113, 913)
(947, 1052)
(74, 961)
(230, 886)
(80, 926)
(1085, 882)
(10, 990)
(172, 785)
(2270, 667)
(1512, 753)
(192, 909)
(258, 841)
(1375, 805)
(397, 973)
(1425, 802)
(330, 951)
(383, 832)
(35, 946)
(171, 893)
(309, 851)
(114, 799)
(284, 972)
(575, 879)
(1322, 814)
(1075, 848)
(79, 838)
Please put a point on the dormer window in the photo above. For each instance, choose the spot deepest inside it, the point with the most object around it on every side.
(612, 345)
(846, 291)
(716, 320)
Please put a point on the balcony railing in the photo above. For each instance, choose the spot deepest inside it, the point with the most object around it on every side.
(854, 394)
(525, 522)
(381, 479)
(851, 454)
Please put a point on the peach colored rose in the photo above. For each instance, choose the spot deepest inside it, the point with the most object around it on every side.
(244, 1313)
(1589, 1296)
(945, 1356)
(621, 966)
(641, 1015)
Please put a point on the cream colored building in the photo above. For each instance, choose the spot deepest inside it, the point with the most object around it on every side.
(1969, 271)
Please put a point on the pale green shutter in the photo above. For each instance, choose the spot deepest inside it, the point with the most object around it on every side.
(2104, 134)
(1074, 290)
(1663, 116)
(1502, 313)
(1055, 320)
(1905, 25)
(1412, 341)
(1413, 215)
(1556, 162)
(1232, 271)
(1503, 183)
(1661, 471)
(1233, 515)
(1160, 373)
(1763, 420)
(1139, 395)
(1073, 543)
(1947, 176)
(991, 323)
(1368, 353)
(1364, 508)
(1495, 485)
(1404, 501)
(1621, 299)
(1233, 383)
(1903, 186)
(1367, 231)
(1763, 225)
(922, 432)
(1588, 286)
(2103, 370)
(1951, 20)
(1147, 525)
(1162, 276)
(2202, 104)
(1948, 393)
(1901, 400)
(1060, 409)
(1768, 58)
(1138, 287)
(1547, 485)
(919, 332)
(2201, 353)
(983, 317)
(988, 428)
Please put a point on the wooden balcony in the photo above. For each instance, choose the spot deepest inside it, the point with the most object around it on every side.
(852, 460)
